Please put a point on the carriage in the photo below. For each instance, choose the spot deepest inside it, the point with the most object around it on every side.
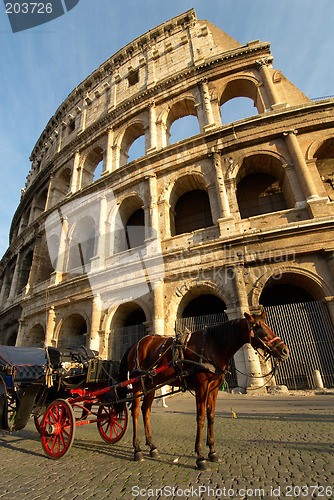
(66, 388)
(61, 389)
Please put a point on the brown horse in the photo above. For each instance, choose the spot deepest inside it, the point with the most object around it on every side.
(206, 355)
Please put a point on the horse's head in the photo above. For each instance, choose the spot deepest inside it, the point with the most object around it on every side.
(261, 336)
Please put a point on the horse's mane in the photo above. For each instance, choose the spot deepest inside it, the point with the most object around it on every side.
(225, 333)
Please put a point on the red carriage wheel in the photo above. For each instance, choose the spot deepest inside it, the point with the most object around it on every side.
(38, 421)
(112, 425)
(58, 429)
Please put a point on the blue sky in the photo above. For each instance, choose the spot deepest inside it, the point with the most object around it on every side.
(41, 66)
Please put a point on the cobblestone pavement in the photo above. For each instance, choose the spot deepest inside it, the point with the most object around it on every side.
(278, 447)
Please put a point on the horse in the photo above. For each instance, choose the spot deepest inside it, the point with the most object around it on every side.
(205, 357)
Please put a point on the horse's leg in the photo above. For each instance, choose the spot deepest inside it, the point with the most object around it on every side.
(201, 401)
(211, 408)
(146, 411)
(138, 455)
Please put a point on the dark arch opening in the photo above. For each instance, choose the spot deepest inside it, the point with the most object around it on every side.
(135, 229)
(192, 212)
(258, 194)
(280, 294)
(204, 305)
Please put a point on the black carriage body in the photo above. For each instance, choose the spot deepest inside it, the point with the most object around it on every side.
(32, 378)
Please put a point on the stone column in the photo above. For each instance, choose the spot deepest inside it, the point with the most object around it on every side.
(15, 278)
(56, 277)
(50, 326)
(251, 360)
(329, 301)
(95, 323)
(268, 82)
(153, 128)
(158, 294)
(303, 173)
(20, 333)
(97, 262)
(207, 108)
(75, 172)
(108, 166)
(226, 221)
(153, 230)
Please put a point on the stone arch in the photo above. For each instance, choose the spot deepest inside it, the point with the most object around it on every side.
(191, 183)
(35, 337)
(25, 268)
(179, 108)
(261, 185)
(242, 86)
(90, 162)
(311, 282)
(323, 155)
(129, 206)
(61, 184)
(133, 131)
(127, 324)
(82, 243)
(190, 290)
(40, 202)
(73, 329)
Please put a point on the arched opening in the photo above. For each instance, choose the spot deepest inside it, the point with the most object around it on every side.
(192, 212)
(137, 149)
(259, 194)
(61, 185)
(135, 229)
(93, 159)
(238, 100)
(325, 165)
(261, 186)
(132, 134)
(237, 108)
(203, 305)
(40, 203)
(36, 337)
(98, 171)
(25, 271)
(280, 294)
(128, 327)
(295, 314)
(184, 128)
(129, 225)
(47, 259)
(73, 331)
(82, 246)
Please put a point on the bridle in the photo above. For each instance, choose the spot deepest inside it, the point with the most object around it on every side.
(268, 344)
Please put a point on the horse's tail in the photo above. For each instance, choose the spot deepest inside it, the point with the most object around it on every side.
(122, 376)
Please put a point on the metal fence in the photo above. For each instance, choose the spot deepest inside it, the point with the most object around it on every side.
(197, 323)
(308, 331)
(123, 338)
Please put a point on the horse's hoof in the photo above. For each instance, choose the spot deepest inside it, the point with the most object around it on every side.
(214, 457)
(139, 457)
(202, 464)
(154, 453)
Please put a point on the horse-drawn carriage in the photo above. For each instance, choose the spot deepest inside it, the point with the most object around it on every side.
(61, 389)
(66, 388)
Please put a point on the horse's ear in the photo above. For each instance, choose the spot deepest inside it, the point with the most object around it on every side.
(263, 314)
(248, 316)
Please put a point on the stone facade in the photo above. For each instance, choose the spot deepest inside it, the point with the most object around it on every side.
(209, 222)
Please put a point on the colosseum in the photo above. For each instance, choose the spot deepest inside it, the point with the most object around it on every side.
(230, 218)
